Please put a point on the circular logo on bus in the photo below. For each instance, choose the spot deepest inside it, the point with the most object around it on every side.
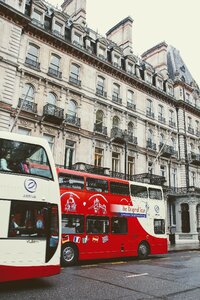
(156, 207)
(30, 185)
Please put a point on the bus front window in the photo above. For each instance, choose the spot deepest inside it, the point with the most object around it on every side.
(24, 158)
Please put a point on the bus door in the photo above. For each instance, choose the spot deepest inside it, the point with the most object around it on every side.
(25, 237)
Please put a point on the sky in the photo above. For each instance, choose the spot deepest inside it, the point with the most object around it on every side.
(174, 21)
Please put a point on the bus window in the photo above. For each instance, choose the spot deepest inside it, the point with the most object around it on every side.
(119, 188)
(24, 158)
(119, 225)
(72, 224)
(53, 232)
(139, 191)
(71, 181)
(155, 194)
(96, 185)
(27, 219)
(159, 226)
(98, 225)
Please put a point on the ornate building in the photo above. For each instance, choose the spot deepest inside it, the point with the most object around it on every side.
(101, 108)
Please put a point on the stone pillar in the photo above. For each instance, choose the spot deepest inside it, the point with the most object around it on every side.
(178, 218)
(193, 217)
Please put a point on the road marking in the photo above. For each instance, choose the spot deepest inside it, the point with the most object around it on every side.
(137, 275)
(118, 262)
(86, 266)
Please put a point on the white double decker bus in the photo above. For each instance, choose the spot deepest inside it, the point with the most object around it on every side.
(29, 209)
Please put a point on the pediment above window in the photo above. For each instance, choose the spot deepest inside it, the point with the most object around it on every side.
(39, 4)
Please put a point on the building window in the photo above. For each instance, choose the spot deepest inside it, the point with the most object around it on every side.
(131, 163)
(72, 108)
(69, 152)
(160, 84)
(130, 69)
(130, 99)
(161, 113)
(98, 157)
(171, 118)
(54, 65)
(149, 109)
(74, 74)
(162, 171)
(58, 27)
(102, 52)
(99, 121)
(24, 131)
(116, 91)
(193, 179)
(174, 177)
(37, 15)
(32, 56)
(148, 78)
(77, 39)
(115, 121)
(150, 167)
(28, 92)
(100, 85)
(116, 60)
(51, 98)
(115, 162)
(50, 140)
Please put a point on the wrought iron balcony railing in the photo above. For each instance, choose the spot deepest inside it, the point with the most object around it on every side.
(55, 73)
(116, 99)
(131, 106)
(73, 120)
(150, 114)
(53, 110)
(100, 128)
(190, 130)
(161, 119)
(32, 63)
(132, 139)
(27, 105)
(74, 81)
(172, 123)
(101, 93)
(151, 145)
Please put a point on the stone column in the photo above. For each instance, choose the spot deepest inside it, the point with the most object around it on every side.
(178, 218)
(193, 217)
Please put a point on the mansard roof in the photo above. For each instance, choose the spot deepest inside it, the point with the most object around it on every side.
(177, 67)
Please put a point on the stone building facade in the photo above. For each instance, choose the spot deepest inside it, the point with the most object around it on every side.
(101, 108)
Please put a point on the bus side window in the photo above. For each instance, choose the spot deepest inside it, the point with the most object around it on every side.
(119, 225)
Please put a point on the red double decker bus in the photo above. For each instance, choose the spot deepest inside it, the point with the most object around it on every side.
(105, 217)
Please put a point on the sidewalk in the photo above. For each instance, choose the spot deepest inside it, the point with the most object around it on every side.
(183, 247)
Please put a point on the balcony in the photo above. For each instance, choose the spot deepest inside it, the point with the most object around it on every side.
(98, 127)
(150, 114)
(131, 106)
(183, 190)
(101, 93)
(53, 113)
(116, 99)
(54, 73)
(151, 145)
(167, 151)
(37, 23)
(195, 158)
(74, 81)
(161, 119)
(77, 44)
(73, 120)
(132, 139)
(102, 57)
(118, 135)
(28, 106)
(32, 63)
(172, 124)
(190, 130)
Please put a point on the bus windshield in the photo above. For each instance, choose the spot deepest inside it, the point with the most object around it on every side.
(24, 158)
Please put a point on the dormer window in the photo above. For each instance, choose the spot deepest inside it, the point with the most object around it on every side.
(159, 84)
(77, 40)
(37, 16)
(102, 52)
(130, 69)
(148, 78)
(58, 29)
(116, 61)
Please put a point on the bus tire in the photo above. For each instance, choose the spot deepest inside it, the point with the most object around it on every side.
(69, 254)
(143, 250)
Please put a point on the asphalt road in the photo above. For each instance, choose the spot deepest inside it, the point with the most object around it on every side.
(171, 276)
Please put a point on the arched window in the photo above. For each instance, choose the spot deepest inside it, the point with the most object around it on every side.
(74, 74)
(54, 65)
(32, 55)
(115, 121)
(116, 91)
(72, 108)
(99, 121)
(28, 92)
(150, 135)
(51, 98)
(130, 100)
(100, 85)
(130, 128)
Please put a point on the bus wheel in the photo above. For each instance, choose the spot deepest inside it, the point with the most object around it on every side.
(69, 254)
(143, 250)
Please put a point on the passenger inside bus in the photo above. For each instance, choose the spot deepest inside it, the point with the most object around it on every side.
(4, 160)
